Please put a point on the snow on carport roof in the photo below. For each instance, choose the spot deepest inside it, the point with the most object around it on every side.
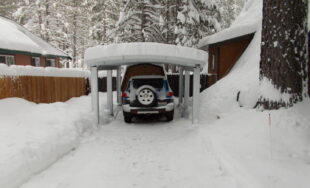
(15, 38)
(247, 22)
(146, 52)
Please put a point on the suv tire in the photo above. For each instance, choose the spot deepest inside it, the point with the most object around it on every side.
(127, 117)
(169, 115)
(146, 96)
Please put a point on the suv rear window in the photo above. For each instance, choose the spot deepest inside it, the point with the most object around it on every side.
(155, 82)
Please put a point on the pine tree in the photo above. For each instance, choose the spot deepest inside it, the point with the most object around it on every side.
(104, 16)
(284, 53)
(139, 22)
(8, 7)
(196, 19)
(168, 19)
(229, 10)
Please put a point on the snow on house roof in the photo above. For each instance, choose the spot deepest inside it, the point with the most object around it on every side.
(17, 39)
(130, 53)
(246, 23)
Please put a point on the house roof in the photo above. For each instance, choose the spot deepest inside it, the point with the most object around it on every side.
(248, 21)
(147, 52)
(16, 39)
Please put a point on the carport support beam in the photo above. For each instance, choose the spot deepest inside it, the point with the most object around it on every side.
(118, 85)
(186, 93)
(196, 92)
(94, 93)
(180, 85)
(109, 92)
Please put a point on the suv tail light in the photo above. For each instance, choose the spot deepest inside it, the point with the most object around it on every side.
(124, 95)
(170, 94)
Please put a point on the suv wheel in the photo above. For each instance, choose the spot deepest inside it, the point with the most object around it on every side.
(169, 115)
(146, 95)
(127, 117)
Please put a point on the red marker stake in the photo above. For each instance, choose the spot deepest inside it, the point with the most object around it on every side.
(270, 138)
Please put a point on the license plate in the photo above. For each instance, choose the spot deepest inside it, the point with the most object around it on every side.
(148, 112)
(162, 103)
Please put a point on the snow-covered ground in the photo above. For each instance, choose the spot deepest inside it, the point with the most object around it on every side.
(58, 146)
(239, 149)
(33, 136)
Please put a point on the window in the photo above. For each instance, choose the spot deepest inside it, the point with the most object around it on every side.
(155, 82)
(35, 61)
(50, 63)
(213, 62)
(7, 59)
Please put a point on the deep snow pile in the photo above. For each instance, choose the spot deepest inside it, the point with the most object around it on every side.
(262, 154)
(265, 149)
(243, 79)
(241, 86)
(20, 70)
(33, 136)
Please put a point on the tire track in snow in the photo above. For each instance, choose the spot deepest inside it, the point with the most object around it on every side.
(140, 155)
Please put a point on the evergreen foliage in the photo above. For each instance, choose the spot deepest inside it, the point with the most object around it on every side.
(74, 25)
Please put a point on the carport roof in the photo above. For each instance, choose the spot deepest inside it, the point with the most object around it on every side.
(131, 53)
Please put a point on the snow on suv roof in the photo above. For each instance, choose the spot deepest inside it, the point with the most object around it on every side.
(130, 53)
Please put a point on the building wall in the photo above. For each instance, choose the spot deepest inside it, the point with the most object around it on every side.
(42, 61)
(21, 59)
(223, 56)
(229, 55)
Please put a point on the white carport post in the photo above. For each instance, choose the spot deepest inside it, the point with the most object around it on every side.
(186, 92)
(181, 89)
(196, 92)
(94, 92)
(118, 85)
(109, 92)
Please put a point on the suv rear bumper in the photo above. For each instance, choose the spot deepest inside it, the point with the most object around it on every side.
(148, 110)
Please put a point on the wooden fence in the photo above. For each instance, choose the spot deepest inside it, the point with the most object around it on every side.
(41, 89)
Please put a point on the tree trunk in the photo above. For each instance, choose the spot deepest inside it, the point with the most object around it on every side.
(283, 53)
(47, 13)
(74, 58)
(142, 21)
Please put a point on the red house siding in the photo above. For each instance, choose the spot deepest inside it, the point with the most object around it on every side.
(22, 59)
(26, 60)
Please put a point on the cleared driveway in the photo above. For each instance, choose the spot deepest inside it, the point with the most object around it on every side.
(144, 154)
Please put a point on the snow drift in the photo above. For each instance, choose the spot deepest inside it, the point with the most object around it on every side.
(33, 136)
(20, 70)
(241, 86)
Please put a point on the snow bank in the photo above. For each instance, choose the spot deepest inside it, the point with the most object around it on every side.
(16, 37)
(15, 70)
(264, 155)
(243, 79)
(19, 70)
(33, 136)
(247, 22)
(128, 53)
